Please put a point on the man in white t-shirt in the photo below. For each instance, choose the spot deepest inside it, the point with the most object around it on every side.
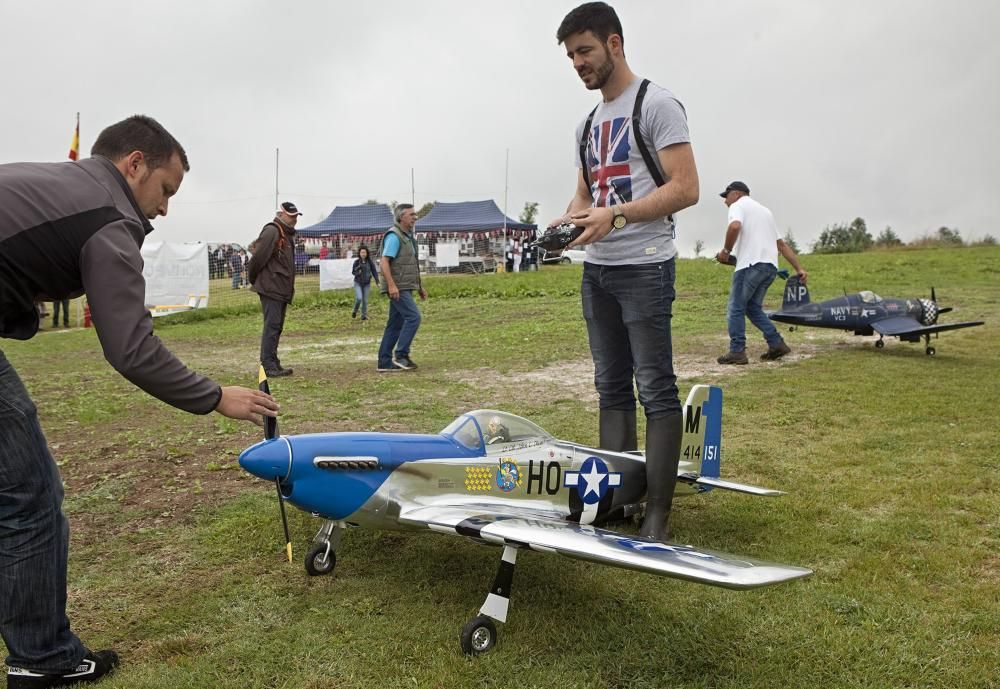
(752, 238)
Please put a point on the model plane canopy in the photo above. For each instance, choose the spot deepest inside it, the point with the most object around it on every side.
(477, 429)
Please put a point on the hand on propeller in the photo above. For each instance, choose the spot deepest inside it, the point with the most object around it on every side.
(246, 404)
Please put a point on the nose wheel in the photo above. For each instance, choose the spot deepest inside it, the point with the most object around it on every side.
(479, 635)
(322, 557)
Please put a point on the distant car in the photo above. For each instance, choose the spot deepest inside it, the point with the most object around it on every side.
(563, 256)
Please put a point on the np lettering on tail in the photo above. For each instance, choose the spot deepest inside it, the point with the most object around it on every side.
(796, 294)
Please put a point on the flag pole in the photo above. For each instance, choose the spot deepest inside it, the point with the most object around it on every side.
(275, 177)
(506, 177)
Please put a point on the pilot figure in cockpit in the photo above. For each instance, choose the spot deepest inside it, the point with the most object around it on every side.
(496, 432)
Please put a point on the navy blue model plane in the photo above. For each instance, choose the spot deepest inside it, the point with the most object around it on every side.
(500, 480)
(866, 313)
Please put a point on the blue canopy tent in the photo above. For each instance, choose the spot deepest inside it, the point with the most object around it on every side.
(346, 229)
(479, 226)
(469, 216)
(366, 219)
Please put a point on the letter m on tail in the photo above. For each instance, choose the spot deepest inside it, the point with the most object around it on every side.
(702, 442)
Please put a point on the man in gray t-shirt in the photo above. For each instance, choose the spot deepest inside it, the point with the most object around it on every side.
(624, 202)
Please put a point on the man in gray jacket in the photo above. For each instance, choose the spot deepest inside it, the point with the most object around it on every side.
(66, 229)
(271, 271)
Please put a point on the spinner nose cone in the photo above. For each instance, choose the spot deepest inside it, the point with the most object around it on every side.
(268, 459)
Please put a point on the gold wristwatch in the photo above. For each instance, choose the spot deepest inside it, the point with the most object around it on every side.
(619, 220)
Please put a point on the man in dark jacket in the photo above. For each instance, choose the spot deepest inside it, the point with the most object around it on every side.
(91, 218)
(272, 273)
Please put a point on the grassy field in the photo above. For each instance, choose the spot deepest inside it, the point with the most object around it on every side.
(889, 457)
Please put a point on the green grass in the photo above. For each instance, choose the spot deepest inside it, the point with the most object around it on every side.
(889, 458)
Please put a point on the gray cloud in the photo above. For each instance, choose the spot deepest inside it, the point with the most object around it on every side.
(828, 110)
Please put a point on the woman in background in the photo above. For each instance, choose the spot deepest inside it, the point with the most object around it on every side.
(364, 272)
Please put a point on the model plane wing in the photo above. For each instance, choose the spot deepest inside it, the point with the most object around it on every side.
(902, 325)
(549, 533)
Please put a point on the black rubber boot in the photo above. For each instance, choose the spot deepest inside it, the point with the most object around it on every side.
(663, 454)
(617, 429)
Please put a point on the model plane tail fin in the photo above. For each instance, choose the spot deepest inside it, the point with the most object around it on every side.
(796, 294)
(702, 440)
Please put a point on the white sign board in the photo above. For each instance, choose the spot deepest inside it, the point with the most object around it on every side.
(447, 254)
(335, 273)
(176, 276)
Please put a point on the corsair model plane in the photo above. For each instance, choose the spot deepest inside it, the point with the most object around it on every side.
(499, 479)
(866, 313)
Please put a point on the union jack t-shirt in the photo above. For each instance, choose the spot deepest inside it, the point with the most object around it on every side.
(619, 174)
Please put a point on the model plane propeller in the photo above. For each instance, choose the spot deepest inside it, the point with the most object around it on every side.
(501, 480)
(270, 433)
(866, 313)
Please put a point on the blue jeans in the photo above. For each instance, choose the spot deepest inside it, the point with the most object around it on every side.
(628, 311)
(361, 298)
(400, 329)
(34, 539)
(746, 299)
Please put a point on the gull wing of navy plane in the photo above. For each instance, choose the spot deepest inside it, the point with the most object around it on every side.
(499, 479)
(866, 313)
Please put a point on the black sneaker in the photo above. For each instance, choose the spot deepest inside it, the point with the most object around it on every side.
(354, 314)
(733, 358)
(91, 668)
(391, 367)
(775, 353)
(404, 362)
(277, 372)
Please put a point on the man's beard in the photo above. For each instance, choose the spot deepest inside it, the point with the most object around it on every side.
(602, 72)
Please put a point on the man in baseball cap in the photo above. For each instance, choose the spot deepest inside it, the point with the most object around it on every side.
(752, 239)
(271, 271)
(289, 209)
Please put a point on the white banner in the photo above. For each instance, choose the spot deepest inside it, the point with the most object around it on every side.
(176, 276)
(335, 273)
(447, 254)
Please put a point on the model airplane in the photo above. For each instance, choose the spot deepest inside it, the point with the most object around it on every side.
(499, 479)
(866, 313)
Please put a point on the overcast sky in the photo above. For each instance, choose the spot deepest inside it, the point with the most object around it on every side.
(828, 109)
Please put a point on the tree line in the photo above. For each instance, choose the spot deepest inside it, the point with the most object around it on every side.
(855, 237)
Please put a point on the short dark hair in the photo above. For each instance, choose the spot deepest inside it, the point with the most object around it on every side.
(139, 133)
(599, 17)
(398, 213)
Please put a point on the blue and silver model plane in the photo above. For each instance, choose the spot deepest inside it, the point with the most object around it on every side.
(866, 313)
(499, 479)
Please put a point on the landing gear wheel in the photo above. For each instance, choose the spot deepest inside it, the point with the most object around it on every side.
(319, 562)
(478, 636)
(930, 351)
(879, 344)
(565, 259)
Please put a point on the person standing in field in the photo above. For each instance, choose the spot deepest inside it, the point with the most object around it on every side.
(271, 272)
(636, 169)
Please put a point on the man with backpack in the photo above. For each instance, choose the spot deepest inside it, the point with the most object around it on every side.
(636, 170)
(271, 272)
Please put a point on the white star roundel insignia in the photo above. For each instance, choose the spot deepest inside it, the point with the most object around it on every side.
(592, 480)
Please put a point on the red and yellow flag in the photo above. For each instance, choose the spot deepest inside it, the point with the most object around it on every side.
(74, 147)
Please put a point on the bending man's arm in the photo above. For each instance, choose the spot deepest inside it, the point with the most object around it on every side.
(111, 269)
